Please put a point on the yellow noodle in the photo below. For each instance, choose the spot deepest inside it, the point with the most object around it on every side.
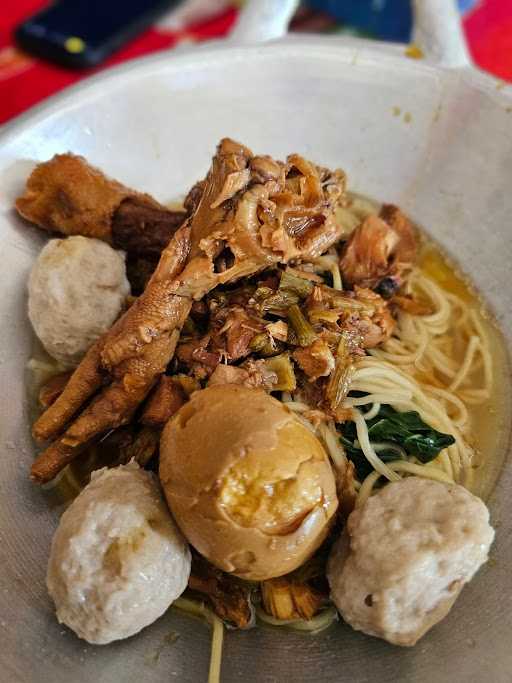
(305, 422)
(331, 440)
(297, 406)
(199, 610)
(466, 365)
(373, 412)
(352, 402)
(400, 466)
(368, 450)
(485, 351)
(373, 375)
(366, 488)
(450, 398)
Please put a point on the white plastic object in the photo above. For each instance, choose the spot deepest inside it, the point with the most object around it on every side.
(438, 32)
(437, 28)
(263, 20)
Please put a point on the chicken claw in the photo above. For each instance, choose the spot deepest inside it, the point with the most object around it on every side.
(250, 213)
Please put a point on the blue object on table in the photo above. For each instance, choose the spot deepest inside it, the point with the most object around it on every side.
(383, 19)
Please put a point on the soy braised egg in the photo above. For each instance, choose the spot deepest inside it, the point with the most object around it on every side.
(248, 484)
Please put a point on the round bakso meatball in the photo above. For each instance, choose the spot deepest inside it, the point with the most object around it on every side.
(117, 561)
(409, 550)
(77, 288)
(250, 486)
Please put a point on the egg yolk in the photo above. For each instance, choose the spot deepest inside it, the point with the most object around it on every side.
(256, 492)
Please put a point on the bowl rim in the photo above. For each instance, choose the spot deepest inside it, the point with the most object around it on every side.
(345, 51)
(350, 50)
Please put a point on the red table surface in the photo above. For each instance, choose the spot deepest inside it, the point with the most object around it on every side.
(24, 80)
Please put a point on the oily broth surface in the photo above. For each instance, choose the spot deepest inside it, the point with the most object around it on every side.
(490, 420)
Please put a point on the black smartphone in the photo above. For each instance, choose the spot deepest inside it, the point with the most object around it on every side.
(82, 33)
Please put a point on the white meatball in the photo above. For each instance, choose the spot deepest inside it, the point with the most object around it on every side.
(409, 550)
(117, 560)
(77, 288)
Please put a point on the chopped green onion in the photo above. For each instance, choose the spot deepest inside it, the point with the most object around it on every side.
(265, 345)
(280, 302)
(344, 302)
(339, 381)
(262, 293)
(296, 285)
(321, 315)
(283, 368)
(306, 335)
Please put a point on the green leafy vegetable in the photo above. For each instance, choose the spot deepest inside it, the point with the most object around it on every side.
(296, 285)
(405, 429)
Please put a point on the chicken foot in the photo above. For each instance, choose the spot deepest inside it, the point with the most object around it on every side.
(257, 211)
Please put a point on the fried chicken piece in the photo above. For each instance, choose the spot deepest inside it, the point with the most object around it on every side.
(237, 329)
(136, 351)
(381, 247)
(410, 305)
(69, 196)
(229, 374)
(139, 270)
(253, 374)
(351, 322)
(316, 360)
(196, 351)
(229, 597)
(242, 329)
(377, 327)
(198, 358)
(278, 330)
(164, 402)
(142, 448)
(144, 230)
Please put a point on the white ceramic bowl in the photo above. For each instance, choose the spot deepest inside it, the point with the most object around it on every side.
(432, 135)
